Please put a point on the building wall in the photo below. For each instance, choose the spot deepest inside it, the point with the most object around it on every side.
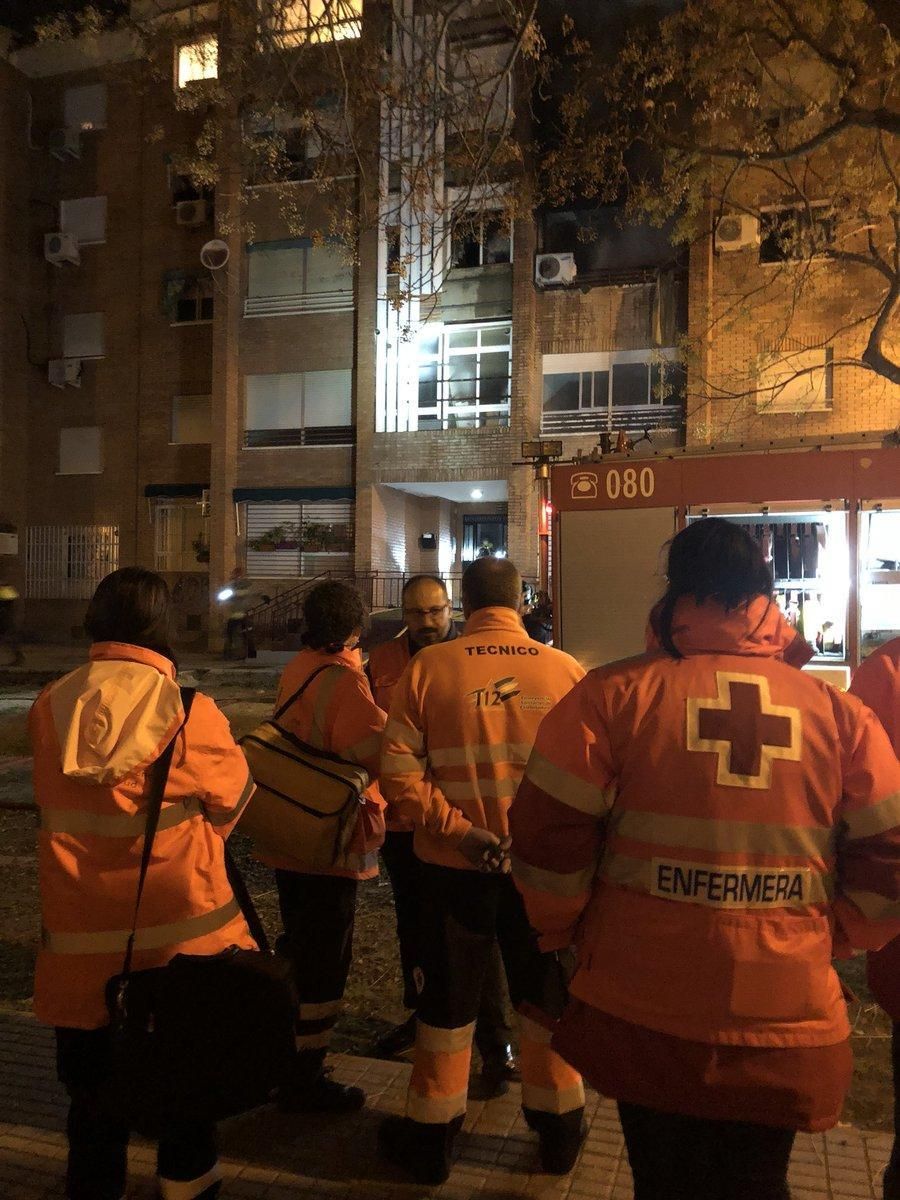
(15, 371)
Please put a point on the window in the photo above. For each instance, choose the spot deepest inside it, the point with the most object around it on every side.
(81, 451)
(191, 420)
(481, 240)
(187, 298)
(464, 376)
(83, 335)
(797, 382)
(481, 81)
(315, 21)
(183, 187)
(288, 145)
(795, 233)
(296, 276)
(624, 389)
(197, 60)
(84, 108)
(181, 536)
(66, 562)
(289, 540)
(310, 409)
(84, 219)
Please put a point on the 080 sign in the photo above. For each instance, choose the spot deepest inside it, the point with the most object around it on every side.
(630, 482)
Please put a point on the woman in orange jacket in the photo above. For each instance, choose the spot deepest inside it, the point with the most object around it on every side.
(95, 733)
(335, 713)
(706, 825)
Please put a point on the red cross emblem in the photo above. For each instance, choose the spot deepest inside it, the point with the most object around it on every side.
(744, 728)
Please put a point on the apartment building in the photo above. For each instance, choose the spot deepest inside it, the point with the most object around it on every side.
(278, 411)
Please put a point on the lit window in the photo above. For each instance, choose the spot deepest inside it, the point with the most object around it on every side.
(798, 382)
(316, 21)
(198, 60)
(308, 409)
(464, 376)
(296, 276)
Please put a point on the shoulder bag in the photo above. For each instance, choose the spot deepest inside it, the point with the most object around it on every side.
(307, 802)
(206, 1036)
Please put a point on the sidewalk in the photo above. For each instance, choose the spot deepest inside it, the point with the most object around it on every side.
(267, 1154)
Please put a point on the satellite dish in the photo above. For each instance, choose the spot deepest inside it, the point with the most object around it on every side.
(214, 254)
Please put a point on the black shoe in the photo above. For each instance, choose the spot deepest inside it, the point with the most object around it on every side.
(498, 1070)
(561, 1138)
(398, 1040)
(321, 1094)
(422, 1151)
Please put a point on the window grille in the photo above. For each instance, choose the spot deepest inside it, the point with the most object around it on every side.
(66, 562)
(289, 540)
(464, 376)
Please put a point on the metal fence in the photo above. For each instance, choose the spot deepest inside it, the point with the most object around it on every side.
(66, 562)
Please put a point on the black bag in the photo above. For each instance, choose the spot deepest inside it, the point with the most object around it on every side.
(206, 1036)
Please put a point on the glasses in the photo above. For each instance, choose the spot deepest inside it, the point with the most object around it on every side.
(425, 612)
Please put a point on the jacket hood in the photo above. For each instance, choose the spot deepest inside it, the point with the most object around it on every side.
(756, 628)
(116, 713)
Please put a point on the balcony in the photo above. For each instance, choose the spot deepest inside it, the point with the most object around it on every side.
(312, 435)
(628, 418)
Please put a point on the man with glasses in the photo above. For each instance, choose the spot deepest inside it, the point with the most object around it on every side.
(428, 619)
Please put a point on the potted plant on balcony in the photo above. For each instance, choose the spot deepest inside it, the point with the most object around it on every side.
(200, 547)
(287, 537)
(314, 538)
(267, 542)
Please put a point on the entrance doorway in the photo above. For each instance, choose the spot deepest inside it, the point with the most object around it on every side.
(484, 536)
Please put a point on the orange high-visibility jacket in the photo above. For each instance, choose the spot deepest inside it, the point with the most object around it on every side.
(337, 713)
(697, 825)
(94, 734)
(877, 683)
(386, 664)
(461, 726)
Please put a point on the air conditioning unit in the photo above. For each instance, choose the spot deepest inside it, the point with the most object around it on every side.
(550, 269)
(737, 231)
(64, 372)
(65, 143)
(61, 248)
(191, 212)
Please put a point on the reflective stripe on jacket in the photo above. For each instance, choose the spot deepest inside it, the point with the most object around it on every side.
(94, 734)
(461, 726)
(877, 683)
(337, 713)
(697, 825)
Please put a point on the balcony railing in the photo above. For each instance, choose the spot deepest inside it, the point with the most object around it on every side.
(314, 435)
(630, 418)
(310, 302)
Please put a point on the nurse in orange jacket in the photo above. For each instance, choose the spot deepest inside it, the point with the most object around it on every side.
(95, 733)
(705, 824)
(877, 683)
(335, 713)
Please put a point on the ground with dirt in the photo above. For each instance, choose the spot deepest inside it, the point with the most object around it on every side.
(374, 988)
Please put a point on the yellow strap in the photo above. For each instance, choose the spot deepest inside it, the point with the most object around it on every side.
(152, 937)
(557, 883)
(567, 788)
(444, 1041)
(515, 753)
(119, 825)
(725, 836)
(496, 789)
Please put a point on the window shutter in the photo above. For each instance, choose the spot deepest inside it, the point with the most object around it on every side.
(81, 451)
(83, 335)
(84, 219)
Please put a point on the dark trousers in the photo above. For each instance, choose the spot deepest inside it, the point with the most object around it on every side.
(98, 1144)
(464, 914)
(239, 638)
(492, 1031)
(674, 1157)
(317, 916)
(892, 1174)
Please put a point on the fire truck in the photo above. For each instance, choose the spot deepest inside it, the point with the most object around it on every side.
(827, 516)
